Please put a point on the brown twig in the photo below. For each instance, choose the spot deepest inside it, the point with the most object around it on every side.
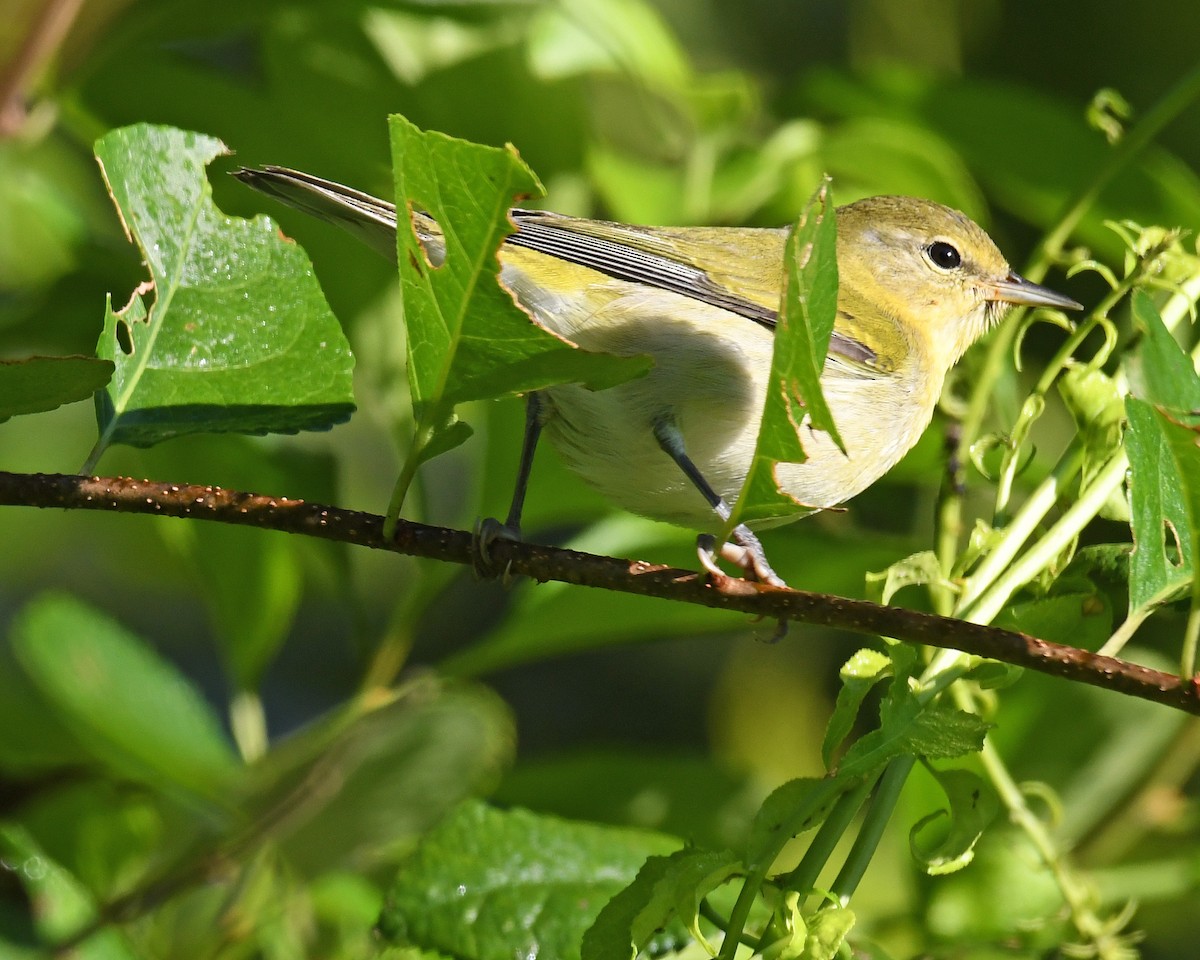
(123, 495)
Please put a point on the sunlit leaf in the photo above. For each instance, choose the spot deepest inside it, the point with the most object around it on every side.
(232, 332)
(490, 884)
(801, 342)
(466, 338)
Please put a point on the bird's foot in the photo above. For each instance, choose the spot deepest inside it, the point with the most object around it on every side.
(485, 534)
(747, 556)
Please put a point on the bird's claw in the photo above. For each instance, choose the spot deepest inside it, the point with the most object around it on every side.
(747, 557)
(486, 532)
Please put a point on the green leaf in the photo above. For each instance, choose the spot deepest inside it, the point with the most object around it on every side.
(667, 890)
(415, 45)
(1162, 374)
(973, 804)
(131, 710)
(625, 37)
(802, 334)
(253, 581)
(466, 338)
(918, 569)
(62, 905)
(1076, 619)
(1164, 462)
(490, 885)
(908, 727)
(36, 384)
(1098, 409)
(1161, 565)
(790, 810)
(45, 209)
(236, 336)
(859, 674)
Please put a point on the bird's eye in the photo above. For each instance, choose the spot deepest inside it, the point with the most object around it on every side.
(944, 255)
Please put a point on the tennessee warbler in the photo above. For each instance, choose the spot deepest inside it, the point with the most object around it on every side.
(919, 283)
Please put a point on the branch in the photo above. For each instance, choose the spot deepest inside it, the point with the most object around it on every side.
(123, 495)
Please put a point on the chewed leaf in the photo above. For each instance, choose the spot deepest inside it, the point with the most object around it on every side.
(802, 335)
(232, 332)
(467, 339)
(1164, 463)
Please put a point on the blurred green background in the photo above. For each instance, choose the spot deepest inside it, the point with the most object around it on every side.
(673, 111)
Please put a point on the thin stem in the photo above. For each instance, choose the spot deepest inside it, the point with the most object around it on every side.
(1103, 934)
(883, 804)
(1022, 525)
(1124, 633)
(1187, 660)
(1042, 554)
(804, 876)
(1173, 103)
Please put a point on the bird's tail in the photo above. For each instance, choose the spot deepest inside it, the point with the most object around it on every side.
(368, 218)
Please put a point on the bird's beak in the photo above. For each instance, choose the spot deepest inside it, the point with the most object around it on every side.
(1016, 289)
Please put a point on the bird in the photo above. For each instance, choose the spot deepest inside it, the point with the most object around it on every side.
(919, 283)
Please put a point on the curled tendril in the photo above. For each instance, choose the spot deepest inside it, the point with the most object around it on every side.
(1095, 266)
(1111, 336)
(1041, 315)
(1108, 113)
(1037, 790)
(994, 441)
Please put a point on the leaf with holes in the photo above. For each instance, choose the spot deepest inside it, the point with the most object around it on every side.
(1164, 463)
(467, 340)
(232, 332)
(802, 334)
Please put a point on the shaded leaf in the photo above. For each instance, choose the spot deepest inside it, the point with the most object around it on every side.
(132, 711)
(62, 904)
(360, 787)
(35, 384)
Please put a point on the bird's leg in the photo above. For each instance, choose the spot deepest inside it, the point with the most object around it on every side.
(745, 551)
(489, 529)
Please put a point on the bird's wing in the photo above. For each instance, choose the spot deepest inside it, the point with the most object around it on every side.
(735, 268)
